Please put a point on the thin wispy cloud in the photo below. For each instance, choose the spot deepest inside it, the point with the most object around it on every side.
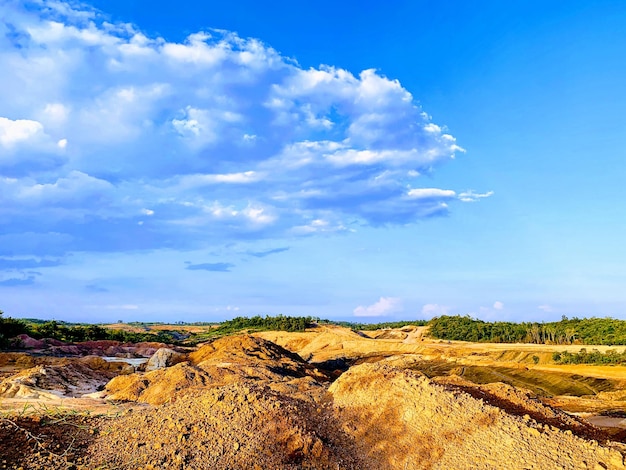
(263, 254)
(18, 281)
(96, 288)
(472, 196)
(27, 263)
(217, 267)
(114, 140)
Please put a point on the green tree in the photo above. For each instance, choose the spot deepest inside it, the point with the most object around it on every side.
(10, 328)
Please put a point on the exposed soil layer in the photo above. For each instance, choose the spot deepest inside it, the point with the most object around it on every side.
(523, 403)
(575, 388)
(245, 402)
(403, 420)
(541, 383)
(69, 378)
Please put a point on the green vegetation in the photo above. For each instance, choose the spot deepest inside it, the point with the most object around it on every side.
(10, 328)
(62, 331)
(392, 324)
(256, 323)
(590, 357)
(75, 334)
(460, 328)
(607, 331)
(38, 321)
(376, 326)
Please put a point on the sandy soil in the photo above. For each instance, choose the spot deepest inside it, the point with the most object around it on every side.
(325, 398)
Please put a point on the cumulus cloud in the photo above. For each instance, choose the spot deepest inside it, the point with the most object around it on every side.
(384, 306)
(13, 133)
(111, 138)
(497, 305)
(25, 147)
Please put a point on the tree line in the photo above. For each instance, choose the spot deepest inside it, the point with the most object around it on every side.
(252, 324)
(594, 357)
(606, 331)
(12, 327)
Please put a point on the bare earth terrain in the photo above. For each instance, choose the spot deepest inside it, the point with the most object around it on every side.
(327, 398)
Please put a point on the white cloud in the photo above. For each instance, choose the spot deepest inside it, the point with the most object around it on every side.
(244, 177)
(432, 310)
(202, 126)
(431, 193)
(471, 196)
(218, 135)
(546, 308)
(67, 189)
(319, 226)
(497, 305)
(259, 215)
(370, 157)
(197, 51)
(253, 218)
(55, 114)
(13, 133)
(384, 306)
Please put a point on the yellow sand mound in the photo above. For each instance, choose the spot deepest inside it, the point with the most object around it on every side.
(237, 426)
(404, 420)
(224, 361)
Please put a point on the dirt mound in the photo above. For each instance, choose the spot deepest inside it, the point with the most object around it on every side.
(158, 386)
(243, 347)
(252, 357)
(521, 402)
(225, 361)
(402, 419)
(242, 426)
(321, 344)
(72, 378)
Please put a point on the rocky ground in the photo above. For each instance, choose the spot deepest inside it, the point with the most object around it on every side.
(254, 402)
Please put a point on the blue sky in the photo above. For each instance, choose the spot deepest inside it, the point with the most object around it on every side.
(199, 160)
